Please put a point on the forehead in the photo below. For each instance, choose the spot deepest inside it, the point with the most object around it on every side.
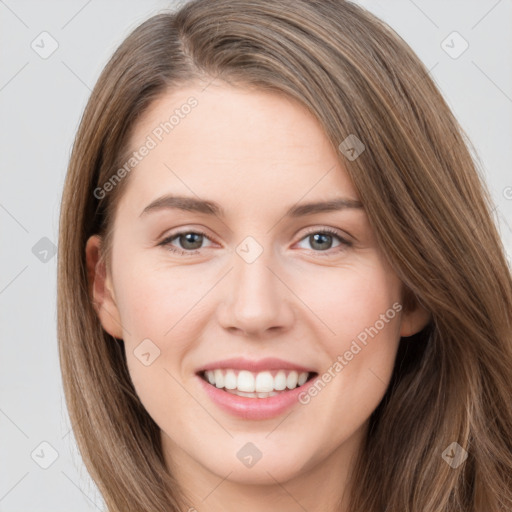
(237, 146)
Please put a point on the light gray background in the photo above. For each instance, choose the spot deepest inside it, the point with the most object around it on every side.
(41, 101)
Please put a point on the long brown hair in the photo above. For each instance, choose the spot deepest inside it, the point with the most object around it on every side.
(427, 204)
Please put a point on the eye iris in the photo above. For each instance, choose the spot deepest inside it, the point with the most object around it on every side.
(322, 236)
(187, 238)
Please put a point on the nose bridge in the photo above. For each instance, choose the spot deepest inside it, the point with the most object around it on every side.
(256, 297)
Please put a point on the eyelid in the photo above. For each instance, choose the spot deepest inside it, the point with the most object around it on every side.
(343, 235)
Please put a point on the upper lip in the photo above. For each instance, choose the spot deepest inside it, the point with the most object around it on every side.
(268, 363)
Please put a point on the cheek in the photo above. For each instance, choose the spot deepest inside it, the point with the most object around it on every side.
(349, 299)
(159, 311)
(152, 301)
(361, 307)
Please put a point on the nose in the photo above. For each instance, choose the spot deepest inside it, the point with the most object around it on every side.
(257, 302)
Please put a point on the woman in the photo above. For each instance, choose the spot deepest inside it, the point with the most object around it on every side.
(259, 368)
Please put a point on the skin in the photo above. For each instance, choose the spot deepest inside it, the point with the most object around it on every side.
(256, 153)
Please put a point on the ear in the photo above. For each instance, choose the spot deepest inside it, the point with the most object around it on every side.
(414, 318)
(101, 290)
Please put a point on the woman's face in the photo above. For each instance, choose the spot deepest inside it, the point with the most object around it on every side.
(306, 288)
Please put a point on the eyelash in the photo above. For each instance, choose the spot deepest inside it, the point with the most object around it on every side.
(167, 241)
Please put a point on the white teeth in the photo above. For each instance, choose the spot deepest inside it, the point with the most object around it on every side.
(264, 382)
(280, 381)
(303, 377)
(245, 382)
(219, 378)
(292, 379)
(261, 385)
(251, 395)
(230, 380)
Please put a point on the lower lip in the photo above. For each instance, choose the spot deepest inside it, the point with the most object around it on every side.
(254, 408)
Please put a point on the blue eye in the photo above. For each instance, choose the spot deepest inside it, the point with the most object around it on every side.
(324, 237)
(191, 241)
(188, 237)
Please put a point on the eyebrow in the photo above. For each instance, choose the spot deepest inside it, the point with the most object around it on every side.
(192, 204)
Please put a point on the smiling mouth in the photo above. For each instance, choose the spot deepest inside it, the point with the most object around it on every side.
(256, 384)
